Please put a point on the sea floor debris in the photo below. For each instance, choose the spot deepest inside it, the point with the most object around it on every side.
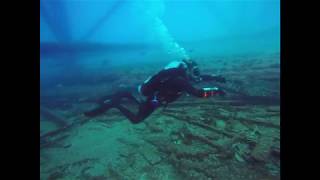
(192, 149)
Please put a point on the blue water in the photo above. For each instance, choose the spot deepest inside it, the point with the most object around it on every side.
(76, 31)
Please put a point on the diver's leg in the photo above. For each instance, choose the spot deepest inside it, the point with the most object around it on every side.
(99, 110)
(110, 101)
(145, 109)
(126, 94)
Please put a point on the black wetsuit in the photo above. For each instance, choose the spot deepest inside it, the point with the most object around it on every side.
(159, 90)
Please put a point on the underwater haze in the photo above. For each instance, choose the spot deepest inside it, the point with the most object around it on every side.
(85, 33)
(93, 48)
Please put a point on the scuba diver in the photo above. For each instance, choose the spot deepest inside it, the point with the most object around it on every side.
(164, 87)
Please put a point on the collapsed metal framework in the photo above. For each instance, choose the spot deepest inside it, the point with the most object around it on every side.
(55, 14)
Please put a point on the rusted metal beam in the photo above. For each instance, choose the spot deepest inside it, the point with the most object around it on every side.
(53, 117)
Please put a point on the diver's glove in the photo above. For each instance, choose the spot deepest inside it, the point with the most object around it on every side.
(208, 92)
